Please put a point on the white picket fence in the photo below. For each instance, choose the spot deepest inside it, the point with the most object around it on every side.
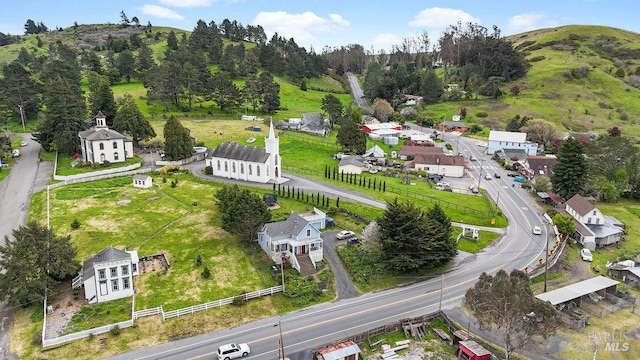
(49, 343)
(218, 303)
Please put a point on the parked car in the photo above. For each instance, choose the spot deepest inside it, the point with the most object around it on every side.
(472, 158)
(496, 175)
(345, 234)
(15, 153)
(585, 254)
(537, 230)
(512, 174)
(473, 189)
(353, 240)
(23, 143)
(519, 179)
(488, 177)
(233, 351)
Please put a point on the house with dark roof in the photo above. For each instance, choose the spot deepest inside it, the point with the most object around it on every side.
(232, 160)
(314, 124)
(536, 165)
(108, 275)
(593, 228)
(443, 165)
(295, 240)
(413, 150)
(100, 144)
(352, 164)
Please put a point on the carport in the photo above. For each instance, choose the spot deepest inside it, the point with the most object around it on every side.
(574, 292)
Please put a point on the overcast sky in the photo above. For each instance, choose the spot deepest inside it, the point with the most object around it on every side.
(374, 24)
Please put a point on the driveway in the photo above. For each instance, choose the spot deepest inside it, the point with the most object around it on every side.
(15, 192)
(344, 286)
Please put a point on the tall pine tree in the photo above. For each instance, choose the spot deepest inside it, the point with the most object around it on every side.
(570, 171)
(177, 141)
(101, 97)
(129, 120)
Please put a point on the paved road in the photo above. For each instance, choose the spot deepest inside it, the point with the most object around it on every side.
(15, 192)
(358, 95)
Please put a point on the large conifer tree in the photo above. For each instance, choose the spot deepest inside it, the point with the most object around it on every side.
(570, 171)
(129, 120)
(177, 141)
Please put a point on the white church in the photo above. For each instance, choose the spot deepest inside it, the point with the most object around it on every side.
(100, 144)
(235, 161)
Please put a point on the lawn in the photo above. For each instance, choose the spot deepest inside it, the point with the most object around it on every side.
(65, 168)
(485, 238)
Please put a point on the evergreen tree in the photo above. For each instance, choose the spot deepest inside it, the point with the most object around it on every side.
(243, 213)
(101, 97)
(126, 64)
(164, 84)
(129, 120)
(251, 91)
(144, 62)
(350, 136)
(570, 171)
(177, 141)
(34, 261)
(65, 117)
(270, 93)
(431, 88)
(18, 90)
(443, 247)
(172, 41)
(224, 92)
(332, 106)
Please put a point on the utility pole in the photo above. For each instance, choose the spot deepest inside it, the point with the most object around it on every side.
(480, 175)
(22, 116)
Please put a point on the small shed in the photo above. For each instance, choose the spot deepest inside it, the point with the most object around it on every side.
(142, 181)
(471, 350)
(347, 350)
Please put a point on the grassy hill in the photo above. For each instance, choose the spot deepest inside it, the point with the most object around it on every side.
(574, 81)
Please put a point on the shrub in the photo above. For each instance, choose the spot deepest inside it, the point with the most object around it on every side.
(537, 58)
(482, 114)
(198, 260)
(206, 273)
(75, 224)
(515, 90)
(115, 331)
(238, 300)
(623, 115)
(619, 73)
(604, 105)
(208, 170)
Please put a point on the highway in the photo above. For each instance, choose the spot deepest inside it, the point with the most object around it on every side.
(325, 323)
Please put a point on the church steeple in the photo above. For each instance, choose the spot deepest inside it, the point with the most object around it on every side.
(101, 120)
(272, 147)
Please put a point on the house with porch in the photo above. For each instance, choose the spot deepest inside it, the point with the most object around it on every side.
(108, 275)
(100, 144)
(295, 240)
(593, 228)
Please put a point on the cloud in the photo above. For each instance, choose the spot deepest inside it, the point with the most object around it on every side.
(302, 27)
(385, 41)
(529, 21)
(441, 18)
(186, 3)
(160, 12)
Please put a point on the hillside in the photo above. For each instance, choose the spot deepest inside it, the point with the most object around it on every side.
(581, 78)
(577, 80)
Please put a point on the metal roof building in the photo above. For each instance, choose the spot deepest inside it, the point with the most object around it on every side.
(577, 290)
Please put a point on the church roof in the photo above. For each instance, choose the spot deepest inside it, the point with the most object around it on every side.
(94, 134)
(234, 151)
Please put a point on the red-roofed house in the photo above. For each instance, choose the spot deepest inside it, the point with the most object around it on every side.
(538, 165)
(369, 128)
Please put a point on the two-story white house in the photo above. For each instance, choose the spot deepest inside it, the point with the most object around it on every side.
(296, 240)
(108, 275)
(503, 140)
(593, 228)
(100, 144)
